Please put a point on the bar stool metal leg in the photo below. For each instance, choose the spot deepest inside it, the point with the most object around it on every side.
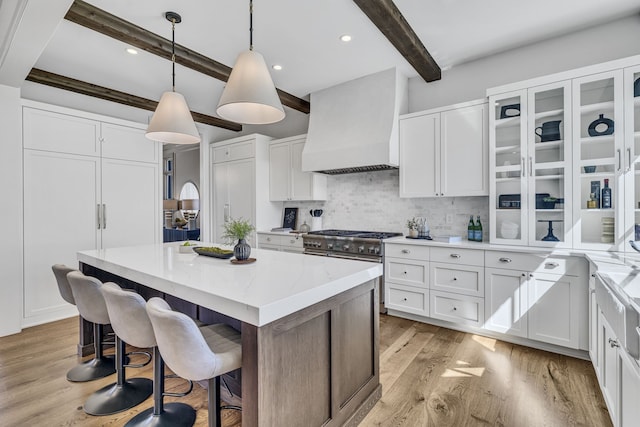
(174, 414)
(121, 395)
(99, 367)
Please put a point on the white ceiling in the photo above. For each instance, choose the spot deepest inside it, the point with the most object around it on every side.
(303, 36)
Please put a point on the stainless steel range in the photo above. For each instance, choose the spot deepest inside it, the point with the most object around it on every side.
(349, 244)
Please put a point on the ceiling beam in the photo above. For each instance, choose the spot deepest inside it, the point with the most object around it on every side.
(387, 17)
(84, 88)
(91, 17)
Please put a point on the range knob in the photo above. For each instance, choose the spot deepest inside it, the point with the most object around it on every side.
(376, 250)
(361, 249)
(330, 246)
(318, 244)
(345, 247)
(371, 250)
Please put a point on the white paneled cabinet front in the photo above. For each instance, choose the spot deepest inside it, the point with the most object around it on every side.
(88, 184)
(445, 152)
(287, 181)
(506, 301)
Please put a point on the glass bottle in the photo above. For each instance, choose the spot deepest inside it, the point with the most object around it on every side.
(471, 230)
(592, 203)
(477, 232)
(606, 195)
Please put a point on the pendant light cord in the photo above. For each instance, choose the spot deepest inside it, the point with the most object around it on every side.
(250, 24)
(173, 54)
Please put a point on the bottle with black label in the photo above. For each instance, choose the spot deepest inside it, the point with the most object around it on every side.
(471, 229)
(606, 195)
(477, 232)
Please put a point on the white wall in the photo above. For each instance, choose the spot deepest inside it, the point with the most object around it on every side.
(11, 213)
(466, 82)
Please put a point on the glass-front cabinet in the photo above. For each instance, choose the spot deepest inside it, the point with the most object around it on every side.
(531, 156)
(631, 156)
(598, 152)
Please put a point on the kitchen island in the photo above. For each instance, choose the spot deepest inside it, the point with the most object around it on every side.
(309, 324)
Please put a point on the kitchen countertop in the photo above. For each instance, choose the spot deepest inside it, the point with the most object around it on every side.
(276, 285)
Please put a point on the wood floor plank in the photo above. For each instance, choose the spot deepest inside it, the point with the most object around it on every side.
(431, 376)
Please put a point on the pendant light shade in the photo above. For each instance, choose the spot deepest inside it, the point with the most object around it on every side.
(250, 96)
(172, 122)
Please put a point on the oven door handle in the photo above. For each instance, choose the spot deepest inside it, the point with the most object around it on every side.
(356, 258)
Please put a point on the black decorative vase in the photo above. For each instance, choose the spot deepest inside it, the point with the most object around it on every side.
(601, 126)
(242, 250)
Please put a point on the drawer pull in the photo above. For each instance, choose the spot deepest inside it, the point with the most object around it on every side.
(455, 255)
(292, 241)
(552, 264)
(455, 308)
(505, 260)
(455, 278)
(404, 272)
(405, 251)
(404, 299)
(268, 239)
(613, 343)
(593, 275)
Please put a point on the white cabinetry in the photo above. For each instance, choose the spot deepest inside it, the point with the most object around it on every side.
(240, 184)
(444, 152)
(287, 181)
(406, 270)
(291, 242)
(631, 157)
(537, 297)
(87, 184)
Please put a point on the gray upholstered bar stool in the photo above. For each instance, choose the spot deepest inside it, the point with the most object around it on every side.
(130, 321)
(123, 394)
(100, 366)
(195, 353)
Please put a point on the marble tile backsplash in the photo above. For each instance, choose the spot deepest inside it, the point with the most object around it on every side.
(370, 201)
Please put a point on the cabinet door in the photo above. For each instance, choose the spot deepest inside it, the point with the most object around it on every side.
(554, 312)
(279, 172)
(419, 156)
(60, 218)
(506, 301)
(593, 331)
(549, 164)
(242, 192)
(629, 391)
(130, 195)
(303, 184)
(608, 356)
(128, 143)
(598, 141)
(220, 199)
(464, 152)
(631, 157)
(63, 133)
(508, 202)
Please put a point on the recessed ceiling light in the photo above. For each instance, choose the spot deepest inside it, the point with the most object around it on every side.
(277, 67)
(131, 51)
(345, 38)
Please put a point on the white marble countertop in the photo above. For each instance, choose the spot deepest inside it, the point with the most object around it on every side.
(276, 285)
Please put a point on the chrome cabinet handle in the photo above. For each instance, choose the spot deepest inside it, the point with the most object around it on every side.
(629, 159)
(104, 217)
(505, 260)
(454, 255)
(619, 159)
(227, 212)
(99, 216)
(530, 166)
(405, 251)
(552, 264)
(613, 343)
(524, 173)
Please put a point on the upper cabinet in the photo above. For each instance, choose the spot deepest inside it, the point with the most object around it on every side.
(563, 158)
(444, 152)
(531, 166)
(287, 181)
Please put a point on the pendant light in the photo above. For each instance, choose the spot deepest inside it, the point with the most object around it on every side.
(172, 122)
(250, 96)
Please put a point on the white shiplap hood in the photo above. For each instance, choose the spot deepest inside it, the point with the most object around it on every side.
(353, 127)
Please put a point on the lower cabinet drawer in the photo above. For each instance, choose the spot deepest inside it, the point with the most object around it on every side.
(407, 299)
(292, 243)
(467, 280)
(269, 239)
(407, 272)
(455, 308)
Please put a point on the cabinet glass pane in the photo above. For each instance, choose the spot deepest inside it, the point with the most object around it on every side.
(635, 156)
(597, 160)
(509, 160)
(548, 164)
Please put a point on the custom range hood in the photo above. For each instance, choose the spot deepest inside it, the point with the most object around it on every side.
(353, 127)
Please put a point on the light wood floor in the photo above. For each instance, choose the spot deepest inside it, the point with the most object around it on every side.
(430, 376)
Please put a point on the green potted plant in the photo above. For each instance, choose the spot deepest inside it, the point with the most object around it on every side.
(238, 230)
(412, 225)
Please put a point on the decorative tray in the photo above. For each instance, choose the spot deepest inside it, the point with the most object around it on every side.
(420, 238)
(243, 261)
(207, 251)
